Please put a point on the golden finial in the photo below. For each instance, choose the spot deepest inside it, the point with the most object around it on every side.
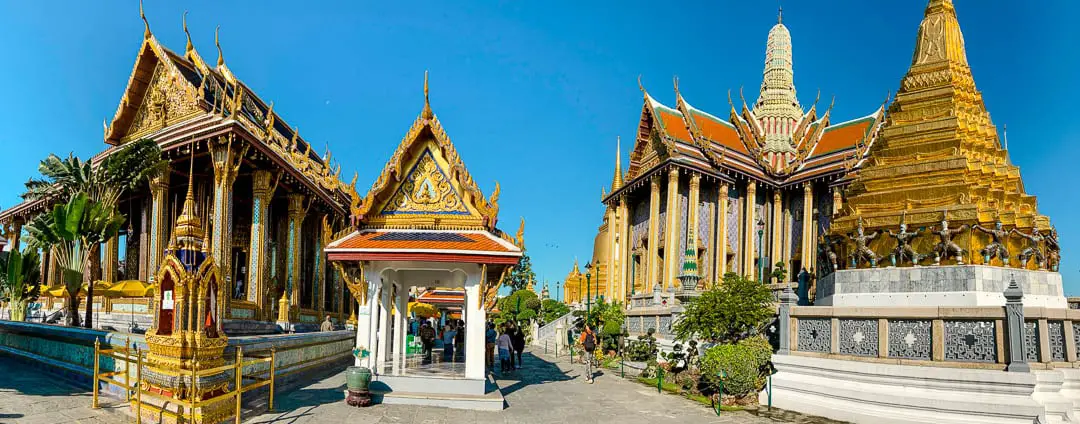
(146, 34)
(521, 234)
(641, 86)
(427, 113)
(780, 15)
(220, 56)
(105, 125)
(189, 47)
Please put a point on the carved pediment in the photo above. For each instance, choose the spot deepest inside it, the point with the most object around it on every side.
(426, 189)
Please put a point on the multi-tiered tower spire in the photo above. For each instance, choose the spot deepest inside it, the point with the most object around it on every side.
(777, 107)
(939, 156)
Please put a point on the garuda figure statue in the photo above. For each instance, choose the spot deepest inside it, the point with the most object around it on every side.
(946, 247)
(903, 244)
(1033, 250)
(862, 247)
(996, 248)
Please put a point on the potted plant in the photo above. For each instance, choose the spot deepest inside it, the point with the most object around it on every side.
(357, 380)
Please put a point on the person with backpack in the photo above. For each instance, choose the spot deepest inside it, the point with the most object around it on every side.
(588, 341)
(427, 337)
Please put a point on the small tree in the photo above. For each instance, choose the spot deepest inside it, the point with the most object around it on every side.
(779, 273)
(726, 313)
(522, 275)
(19, 281)
(521, 305)
(553, 309)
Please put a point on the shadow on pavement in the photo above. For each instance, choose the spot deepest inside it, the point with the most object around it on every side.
(534, 370)
(23, 377)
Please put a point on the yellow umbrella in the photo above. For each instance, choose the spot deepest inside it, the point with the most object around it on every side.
(423, 309)
(126, 288)
(150, 290)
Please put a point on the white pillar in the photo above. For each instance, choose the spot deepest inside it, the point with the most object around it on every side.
(474, 332)
(374, 293)
(383, 337)
(401, 305)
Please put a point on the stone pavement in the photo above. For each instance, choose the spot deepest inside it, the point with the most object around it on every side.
(546, 390)
(26, 396)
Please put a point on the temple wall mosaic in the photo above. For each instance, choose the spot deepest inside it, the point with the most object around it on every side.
(910, 339)
(1031, 341)
(859, 337)
(815, 335)
(970, 341)
(1056, 334)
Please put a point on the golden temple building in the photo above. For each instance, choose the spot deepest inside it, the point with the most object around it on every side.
(728, 195)
(940, 157)
(272, 203)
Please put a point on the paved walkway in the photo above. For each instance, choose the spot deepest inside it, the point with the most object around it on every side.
(544, 391)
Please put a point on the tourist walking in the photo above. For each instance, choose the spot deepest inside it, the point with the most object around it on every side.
(510, 329)
(588, 341)
(504, 344)
(448, 342)
(427, 338)
(517, 340)
(489, 345)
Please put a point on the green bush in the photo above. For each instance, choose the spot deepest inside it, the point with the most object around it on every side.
(726, 313)
(742, 363)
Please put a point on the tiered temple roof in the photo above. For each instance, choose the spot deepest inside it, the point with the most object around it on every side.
(774, 142)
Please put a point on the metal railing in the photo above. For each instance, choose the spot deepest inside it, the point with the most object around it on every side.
(186, 408)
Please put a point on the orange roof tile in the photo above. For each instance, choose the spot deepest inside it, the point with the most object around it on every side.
(406, 240)
(719, 131)
(843, 136)
(673, 124)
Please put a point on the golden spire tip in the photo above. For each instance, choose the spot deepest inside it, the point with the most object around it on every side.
(426, 113)
(220, 56)
(189, 47)
(146, 33)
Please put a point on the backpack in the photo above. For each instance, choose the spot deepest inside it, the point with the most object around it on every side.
(590, 342)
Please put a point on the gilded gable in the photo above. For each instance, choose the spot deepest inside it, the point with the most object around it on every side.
(166, 102)
(426, 189)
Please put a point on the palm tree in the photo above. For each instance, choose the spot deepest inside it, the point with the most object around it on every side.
(19, 281)
(70, 230)
(64, 179)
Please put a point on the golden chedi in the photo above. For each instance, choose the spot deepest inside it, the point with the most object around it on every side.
(939, 158)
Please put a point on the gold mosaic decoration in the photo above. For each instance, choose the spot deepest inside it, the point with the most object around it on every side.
(426, 189)
(163, 103)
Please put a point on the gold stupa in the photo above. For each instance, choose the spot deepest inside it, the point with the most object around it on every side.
(939, 156)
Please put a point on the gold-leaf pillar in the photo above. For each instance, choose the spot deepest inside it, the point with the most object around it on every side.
(262, 193)
(777, 230)
(721, 232)
(672, 255)
(110, 263)
(750, 229)
(807, 227)
(159, 221)
(623, 246)
(292, 261)
(654, 234)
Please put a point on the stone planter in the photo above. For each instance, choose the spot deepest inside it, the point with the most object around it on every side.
(358, 378)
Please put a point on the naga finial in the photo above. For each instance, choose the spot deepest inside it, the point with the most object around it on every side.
(220, 56)
(640, 86)
(427, 113)
(146, 34)
(521, 234)
(189, 46)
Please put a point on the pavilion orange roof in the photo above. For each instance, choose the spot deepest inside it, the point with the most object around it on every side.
(430, 245)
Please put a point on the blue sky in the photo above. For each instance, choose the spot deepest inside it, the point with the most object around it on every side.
(533, 94)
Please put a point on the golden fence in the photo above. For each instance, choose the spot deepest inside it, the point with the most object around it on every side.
(133, 388)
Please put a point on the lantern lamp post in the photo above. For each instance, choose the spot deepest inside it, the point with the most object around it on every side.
(588, 290)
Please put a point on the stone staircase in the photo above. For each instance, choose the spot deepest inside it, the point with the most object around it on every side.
(547, 332)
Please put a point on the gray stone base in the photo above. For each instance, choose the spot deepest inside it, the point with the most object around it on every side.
(456, 393)
(952, 285)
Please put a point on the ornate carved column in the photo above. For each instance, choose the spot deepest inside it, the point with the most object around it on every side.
(777, 230)
(227, 156)
(144, 242)
(750, 227)
(262, 191)
(108, 266)
(623, 245)
(318, 293)
(692, 218)
(808, 237)
(672, 256)
(292, 260)
(653, 272)
(720, 251)
(612, 231)
(159, 221)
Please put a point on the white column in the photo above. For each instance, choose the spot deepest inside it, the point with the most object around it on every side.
(401, 306)
(374, 294)
(383, 336)
(474, 332)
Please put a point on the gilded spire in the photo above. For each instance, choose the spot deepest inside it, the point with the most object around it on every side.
(189, 46)
(188, 232)
(940, 41)
(777, 107)
(220, 56)
(146, 33)
(617, 181)
(426, 113)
